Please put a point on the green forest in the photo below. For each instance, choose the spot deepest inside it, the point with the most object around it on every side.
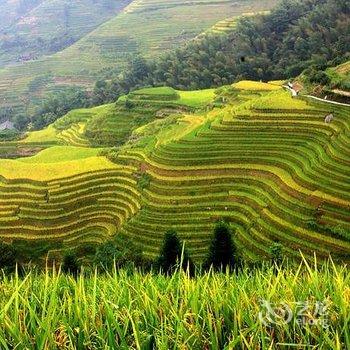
(295, 36)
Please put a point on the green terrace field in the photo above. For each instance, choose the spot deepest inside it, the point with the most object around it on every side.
(146, 27)
(227, 25)
(111, 125)
(161, 158)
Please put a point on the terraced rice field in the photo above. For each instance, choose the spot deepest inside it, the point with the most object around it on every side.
(227, 25)
(269, 166)
(112, 124)
(146, 27)
(267, 163)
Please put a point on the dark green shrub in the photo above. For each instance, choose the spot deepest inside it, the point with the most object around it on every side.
(173, 254)
(118, 253)
(70, 264)
(222, 250)
(7, 257)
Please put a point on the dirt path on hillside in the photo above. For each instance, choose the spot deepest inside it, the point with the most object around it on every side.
(295, 94)
(328, 101)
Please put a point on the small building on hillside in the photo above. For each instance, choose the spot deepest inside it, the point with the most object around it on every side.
(328, 118)
(7, 125)
(297, 87)
(294, 93)
(294, 88)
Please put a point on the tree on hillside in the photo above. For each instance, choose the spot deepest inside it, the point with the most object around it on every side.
(6, 113)
(56, 105)
(70, 264)
(7, 257)
(222, 251)
(317, 76)
(118, 252)
(172, 253)
(276, 252)
(100, 92)
(20, 122)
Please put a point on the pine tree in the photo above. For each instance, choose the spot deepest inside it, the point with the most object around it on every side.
(276, 252)
(222, 251)
(172, 253)
(70, 264)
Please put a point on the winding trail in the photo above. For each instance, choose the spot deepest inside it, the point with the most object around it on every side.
(327, 101)
(294, 94)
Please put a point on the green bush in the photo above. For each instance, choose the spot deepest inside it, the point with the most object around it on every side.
(319, 77)
(8, 257)
(222, 250)
(9, 135)
(173, 254)
(118, 253)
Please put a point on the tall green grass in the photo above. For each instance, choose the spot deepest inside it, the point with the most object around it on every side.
(132, 310)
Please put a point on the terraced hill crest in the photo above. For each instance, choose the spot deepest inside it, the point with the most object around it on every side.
(249, 153)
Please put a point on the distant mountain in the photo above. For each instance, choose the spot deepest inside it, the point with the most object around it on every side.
(41, 27)
(13, 10)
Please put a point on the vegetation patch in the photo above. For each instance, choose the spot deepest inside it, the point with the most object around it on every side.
(255, 86)
(43, 170)
(90, 304)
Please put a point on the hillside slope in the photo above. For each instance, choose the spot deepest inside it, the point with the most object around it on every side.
(293, 36)
(147, 27)
(265, 162)
(49, 26)
(332, 83)
(12, 10)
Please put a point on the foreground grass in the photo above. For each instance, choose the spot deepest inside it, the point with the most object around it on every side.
(130, 310)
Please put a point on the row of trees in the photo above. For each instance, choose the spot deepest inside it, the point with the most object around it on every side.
(222, 251)
(122, 253)
(222, 255)
(51, 108)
